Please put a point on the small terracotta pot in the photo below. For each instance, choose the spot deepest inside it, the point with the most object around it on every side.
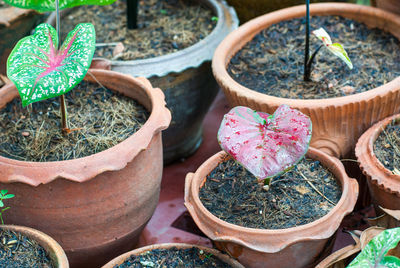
(382, 183)
(223, 257)
(94, 206)
(337, 122)
(388, 5)
(300, 246)
(55, 251)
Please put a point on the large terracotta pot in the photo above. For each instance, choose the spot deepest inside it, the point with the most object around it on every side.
(54, 250)
(337, 122)
(300, 246)
(388, 5)
(223, 257)
(186, 80)
(382, 183)
(94, 206)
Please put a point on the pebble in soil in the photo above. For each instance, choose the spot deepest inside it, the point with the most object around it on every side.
(233, 194)
(164, 26)
(272, 62)
(387, 147)
(17, 250)
(102, 118)
(174, 258)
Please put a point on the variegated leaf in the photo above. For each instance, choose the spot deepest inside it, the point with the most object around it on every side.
(266, 145)
(40, 71)
(49, 5)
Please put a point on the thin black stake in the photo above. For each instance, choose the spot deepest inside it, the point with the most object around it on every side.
(307, 48)
(131, 13)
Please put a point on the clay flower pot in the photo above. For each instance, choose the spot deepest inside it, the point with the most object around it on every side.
(337, 122)
(55, 251)
(388, 5)
(300, 246)
(94, 206)
(121, 259)
(186, 80)
(383, 185)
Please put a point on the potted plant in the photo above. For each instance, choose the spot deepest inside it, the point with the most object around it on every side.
(94, 203)
(173, 255)
(267, 146)
(338, 121)
(180, 68)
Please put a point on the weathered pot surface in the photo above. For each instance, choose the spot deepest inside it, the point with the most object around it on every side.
(94, 206)
(337, 122)
(383, 184)
(120, 259)
(54, 250)
(300, 246)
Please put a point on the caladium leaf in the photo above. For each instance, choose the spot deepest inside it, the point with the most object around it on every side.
(40, 71)
(266, 145)
(336, 48)
(374, 253)
(49, 5)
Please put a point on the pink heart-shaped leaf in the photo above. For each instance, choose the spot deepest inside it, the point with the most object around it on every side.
(266, 145)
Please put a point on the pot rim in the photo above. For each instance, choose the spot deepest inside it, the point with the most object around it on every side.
(369, 163)
(270, 240)
(224, 257)
(115, 158)
(54, 249)
(238, 38)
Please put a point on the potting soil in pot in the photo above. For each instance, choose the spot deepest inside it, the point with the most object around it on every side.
(387, 147)
(272, 62)
(17, 250)
(173, 258)
(233, 194)
(164, 26)
(100, 118)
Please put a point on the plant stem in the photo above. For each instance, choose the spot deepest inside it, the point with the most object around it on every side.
(310, 62)
(307, 47)
(131, 12)
(63, 106)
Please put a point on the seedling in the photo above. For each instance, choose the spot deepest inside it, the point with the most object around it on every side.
(4, 195)
(266, 145)
(375, 252)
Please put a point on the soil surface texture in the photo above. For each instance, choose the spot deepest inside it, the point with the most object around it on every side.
(174, 257)
(272, 62)
(17, 250)
(387, 147)
(164, 26)
(233, 194)
(101, 118)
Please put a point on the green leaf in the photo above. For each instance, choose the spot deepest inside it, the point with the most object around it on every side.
(1, 204)
(214, 18)
(336, 48)
(8, 196)
(49, 5)
(373, 255)
(163, 11)
(3, 192)
(40, 71)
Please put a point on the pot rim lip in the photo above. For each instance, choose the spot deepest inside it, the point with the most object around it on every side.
(288, 236)
(44, 240)
(222, 256)
(256, 25)
(158, 120)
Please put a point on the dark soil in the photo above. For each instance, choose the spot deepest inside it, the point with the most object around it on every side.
(164, 26)
(232, 194)
(387, 147)
(17, 250)
(174, 257)
(272, 63)
(103, 118)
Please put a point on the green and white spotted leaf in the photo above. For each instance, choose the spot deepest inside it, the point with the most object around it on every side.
(49, 5)
(40, 71)
(374, 253)
(336, 48)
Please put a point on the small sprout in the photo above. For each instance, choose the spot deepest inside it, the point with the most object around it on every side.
(163, 11)
(4, 195)
(214, 18)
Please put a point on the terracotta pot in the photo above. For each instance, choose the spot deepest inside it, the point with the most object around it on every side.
(300, 246)
(337, 122)
(186, 80)
(121, 259)
(55, 251)
(388, 5)
(382, 183)
(94, 206)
